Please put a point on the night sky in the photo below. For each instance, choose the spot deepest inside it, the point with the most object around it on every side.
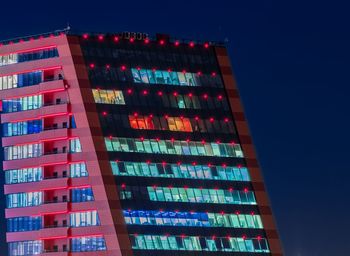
(292, 63)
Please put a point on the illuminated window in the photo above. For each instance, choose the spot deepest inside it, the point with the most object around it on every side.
(24, 248)
(22, 128)
(195, 219)
(194, 195)
(82, 195)
(23, 199)
(78, 170)
(22, 104)
(178, 124)
(22, 151)
(165, 77)
(140, 122)
(88, 244)
(184, 171)
(108, 96)
(25, 223)
(28, 56)
(196, 243)
(23, 175)
(20, 80)
(84, 219)
(173, 147)
(75, 145)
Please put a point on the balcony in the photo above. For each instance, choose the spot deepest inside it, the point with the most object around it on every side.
(48, 207)
(48, 134)
(54, 232)
(49, 158)
(44, 87)
(45, 111)
(51, 183)
(52, 252)
(22, 236)
(53, 207)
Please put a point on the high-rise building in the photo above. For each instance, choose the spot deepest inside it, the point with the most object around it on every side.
(125, 144)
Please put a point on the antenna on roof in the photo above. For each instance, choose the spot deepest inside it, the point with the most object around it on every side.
(68, 26)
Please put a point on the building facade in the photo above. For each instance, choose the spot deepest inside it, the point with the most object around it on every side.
(123, 144)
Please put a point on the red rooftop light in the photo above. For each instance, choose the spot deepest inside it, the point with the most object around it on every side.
(191, 44)
(162, 42)
(206, 45)
(85, 36)
(131, 39)
(177, 43)
(116, 38)
(100, 37)
(146, 41)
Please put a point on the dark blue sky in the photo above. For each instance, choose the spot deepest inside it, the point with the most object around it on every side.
(291, 59)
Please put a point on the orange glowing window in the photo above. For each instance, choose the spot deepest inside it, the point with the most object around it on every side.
(140, 122)
(178, 124)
